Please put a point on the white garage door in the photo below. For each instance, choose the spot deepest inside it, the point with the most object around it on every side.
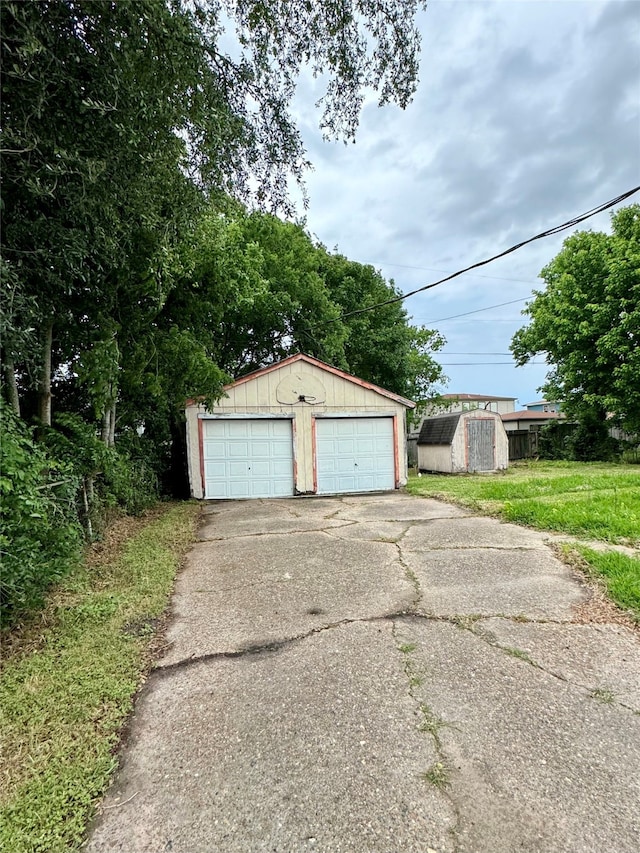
(248, 458)
(355, 455)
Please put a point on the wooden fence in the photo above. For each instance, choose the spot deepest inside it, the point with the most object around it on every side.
(523, 444)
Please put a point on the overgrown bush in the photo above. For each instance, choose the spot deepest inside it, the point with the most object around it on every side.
(56, 492)
(586, 441)
(41, 536)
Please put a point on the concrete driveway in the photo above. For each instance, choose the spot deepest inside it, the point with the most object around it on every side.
(380, 673)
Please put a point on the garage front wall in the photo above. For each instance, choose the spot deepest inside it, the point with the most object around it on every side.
(274, 392)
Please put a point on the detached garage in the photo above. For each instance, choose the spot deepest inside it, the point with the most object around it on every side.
(297, 427)
(473, 441)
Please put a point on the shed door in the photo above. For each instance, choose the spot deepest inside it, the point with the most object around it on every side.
(481, 438)
(355, 455)
(248, 458)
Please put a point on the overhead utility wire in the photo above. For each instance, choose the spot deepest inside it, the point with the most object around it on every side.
(557, 229)
(477, 310)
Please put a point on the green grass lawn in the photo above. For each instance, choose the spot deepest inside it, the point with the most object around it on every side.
(68, 683)
(587, 500)
(593, 500)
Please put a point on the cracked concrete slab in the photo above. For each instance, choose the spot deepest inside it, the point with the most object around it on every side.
(472, 532)
(531, 583)
(604, 659)
(314, 747)
(396, 508)
(258, 590)
(308, 701)
(212, 529)
(373, 531)
(535, 763)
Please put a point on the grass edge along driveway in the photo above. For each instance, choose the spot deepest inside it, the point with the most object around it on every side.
(588, 501)
(68, 683)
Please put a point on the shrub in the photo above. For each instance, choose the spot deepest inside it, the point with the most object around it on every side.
(41, 536)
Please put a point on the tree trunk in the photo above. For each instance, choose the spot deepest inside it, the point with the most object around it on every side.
(87, 511)
(112, 425)
(106, 426)
(44, 391)
(12, 387)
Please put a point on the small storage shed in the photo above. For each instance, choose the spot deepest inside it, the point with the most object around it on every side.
(297, 427)
(463, 442)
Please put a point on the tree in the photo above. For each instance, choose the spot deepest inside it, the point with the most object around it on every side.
(120, 119)
(587, 322)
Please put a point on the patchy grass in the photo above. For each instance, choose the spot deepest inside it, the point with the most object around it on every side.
(438, 775)
(620, 575)
(603, 695)
(592, 500)
(69, 679)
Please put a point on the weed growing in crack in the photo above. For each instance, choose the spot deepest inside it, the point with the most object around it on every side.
(407, 648)
(603, 695)
(437, 775)
(431, 723)
(466, 621)
(415, 679)
(517, 653)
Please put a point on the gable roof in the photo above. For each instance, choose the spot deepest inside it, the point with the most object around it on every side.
(532, 415)
(315, 362)
(439, 430)
(479, 397)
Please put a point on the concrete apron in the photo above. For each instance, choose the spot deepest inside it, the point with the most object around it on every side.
(379, 673)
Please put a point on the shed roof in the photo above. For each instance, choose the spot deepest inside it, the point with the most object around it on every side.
(439, 430)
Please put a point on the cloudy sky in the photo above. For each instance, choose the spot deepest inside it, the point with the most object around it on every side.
(527, 114)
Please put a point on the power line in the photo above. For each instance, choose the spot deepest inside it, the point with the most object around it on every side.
(434, 269)
(478, 310)
(557, 229)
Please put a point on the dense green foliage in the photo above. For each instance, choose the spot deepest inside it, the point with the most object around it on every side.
(40, 533)
(587, 321)
(134, 134)
(68, 682)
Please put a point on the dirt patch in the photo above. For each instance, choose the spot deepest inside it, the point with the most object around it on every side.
(598, 608)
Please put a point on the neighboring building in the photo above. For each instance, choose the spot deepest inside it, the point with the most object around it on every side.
(543, 406)
(473, 441)
(530, 419)
(468, 402)
(297, 427)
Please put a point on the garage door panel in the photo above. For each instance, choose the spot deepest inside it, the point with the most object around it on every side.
(355, 454)
(248, 458)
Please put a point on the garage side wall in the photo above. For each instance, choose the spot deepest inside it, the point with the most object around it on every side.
(259, 396)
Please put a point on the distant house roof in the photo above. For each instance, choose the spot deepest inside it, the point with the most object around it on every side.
(439, 430)
(475, 397)
(529, 415)
(542, 403)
